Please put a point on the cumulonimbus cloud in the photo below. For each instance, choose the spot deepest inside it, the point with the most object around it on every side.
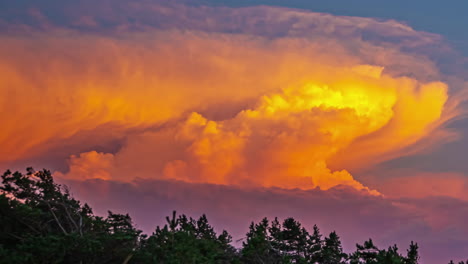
(265, 100)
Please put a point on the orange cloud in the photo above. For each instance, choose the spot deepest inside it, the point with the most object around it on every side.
(289, 137)
(92, 165)
(205, 106)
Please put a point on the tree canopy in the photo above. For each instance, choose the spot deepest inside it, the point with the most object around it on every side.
(40, 222)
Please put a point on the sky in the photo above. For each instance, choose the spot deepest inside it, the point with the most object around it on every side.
(351, 116)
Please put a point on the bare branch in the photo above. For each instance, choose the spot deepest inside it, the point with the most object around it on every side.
(56, 219)
(127, 259)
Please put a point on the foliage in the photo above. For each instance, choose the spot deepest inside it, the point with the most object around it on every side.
(40, 222)
(186, 240)
(368, 253)
(461, 262)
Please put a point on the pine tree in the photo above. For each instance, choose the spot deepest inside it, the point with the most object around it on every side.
(186, 240)
(390, 256)
(333, 251)
(365, 254)
(315, 247)
(42, 223)
(461, 262)
(412, 255)
(294, 241)
(258, 246)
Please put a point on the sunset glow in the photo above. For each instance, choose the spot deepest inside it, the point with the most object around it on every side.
(293, 121)
(212, 107)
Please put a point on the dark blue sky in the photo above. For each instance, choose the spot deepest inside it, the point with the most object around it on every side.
(447, 18)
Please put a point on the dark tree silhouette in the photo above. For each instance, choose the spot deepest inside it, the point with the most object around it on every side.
(40, 222)
(333, 251)
(258, 247)
(186, 240)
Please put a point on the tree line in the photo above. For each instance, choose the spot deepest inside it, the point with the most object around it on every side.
(41, 222)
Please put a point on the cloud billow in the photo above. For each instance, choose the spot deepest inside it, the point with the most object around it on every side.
(319, 88)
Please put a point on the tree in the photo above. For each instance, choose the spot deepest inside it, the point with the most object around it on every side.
(367, 253)
(332, 250)
(295, 240)
(42, 223)
(390, 256)
(461, 262)
(186, 240)
(289, 240)
(412, 256)
(316, 244)
(258, 246)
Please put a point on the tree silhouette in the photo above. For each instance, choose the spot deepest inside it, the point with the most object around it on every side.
(412, 255)
(315, 247)
(258, 247)
(40, 222)
(332, 250)
(186, 240)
